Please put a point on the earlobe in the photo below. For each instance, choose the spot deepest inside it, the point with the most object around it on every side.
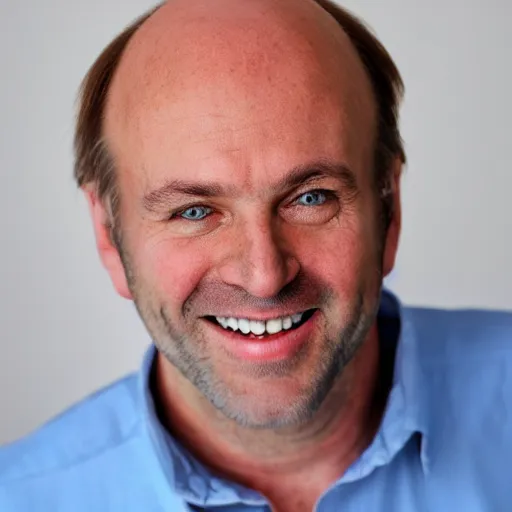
(393, 233)
(107, 250)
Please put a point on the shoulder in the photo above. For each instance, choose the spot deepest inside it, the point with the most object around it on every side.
(453, 337)
(463, 361)
(98, 455)
(100, 422)
(465, 352)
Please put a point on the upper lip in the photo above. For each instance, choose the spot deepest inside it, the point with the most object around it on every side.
(259, 316)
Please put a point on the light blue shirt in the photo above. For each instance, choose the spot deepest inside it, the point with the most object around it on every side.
(444, 443)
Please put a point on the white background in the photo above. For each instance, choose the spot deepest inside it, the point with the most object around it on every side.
(64, 332)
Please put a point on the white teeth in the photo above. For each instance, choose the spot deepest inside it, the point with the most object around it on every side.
(257, 327)
(274, 326)
(233, 323)
(244, 325)
(296, 318)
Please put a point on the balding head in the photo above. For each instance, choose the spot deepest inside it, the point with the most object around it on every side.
(201, 69)
(187, 46)
(311, 26)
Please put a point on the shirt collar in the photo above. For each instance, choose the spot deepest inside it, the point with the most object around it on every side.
(185, 475)
(404, 416)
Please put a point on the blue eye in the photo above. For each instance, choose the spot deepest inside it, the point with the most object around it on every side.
(195, 213)
(313, 198)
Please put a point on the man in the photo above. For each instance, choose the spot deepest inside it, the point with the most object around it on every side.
(242, 161)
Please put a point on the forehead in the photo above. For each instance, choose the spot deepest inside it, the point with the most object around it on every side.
(238, 86)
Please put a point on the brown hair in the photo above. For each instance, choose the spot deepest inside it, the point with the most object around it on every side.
(93, 163)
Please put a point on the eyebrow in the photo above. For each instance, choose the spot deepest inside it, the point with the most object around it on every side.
(299, 175)
(305, 173)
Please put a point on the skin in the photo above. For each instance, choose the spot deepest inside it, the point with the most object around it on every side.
(244, 95)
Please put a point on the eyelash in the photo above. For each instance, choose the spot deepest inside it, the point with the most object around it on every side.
(330, 195)
(178, 214)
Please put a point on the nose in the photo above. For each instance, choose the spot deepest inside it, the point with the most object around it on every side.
(259, 261)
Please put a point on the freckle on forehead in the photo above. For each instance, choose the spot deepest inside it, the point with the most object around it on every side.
(189, 42)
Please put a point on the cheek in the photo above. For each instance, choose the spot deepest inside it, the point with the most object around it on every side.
(344, 257)
(171, 268)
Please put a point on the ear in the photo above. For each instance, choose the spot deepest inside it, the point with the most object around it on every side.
(107, 250)
(393, 233)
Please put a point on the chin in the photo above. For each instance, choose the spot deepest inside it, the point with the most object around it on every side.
(269, 416)
(271, 404)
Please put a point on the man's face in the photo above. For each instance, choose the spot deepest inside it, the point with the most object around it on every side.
(247, 194)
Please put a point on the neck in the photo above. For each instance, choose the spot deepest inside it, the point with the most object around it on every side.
(325, 447)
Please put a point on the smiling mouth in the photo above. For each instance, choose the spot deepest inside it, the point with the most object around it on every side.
(261, 328)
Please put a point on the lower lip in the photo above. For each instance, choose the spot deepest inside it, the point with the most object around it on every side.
(274, 347)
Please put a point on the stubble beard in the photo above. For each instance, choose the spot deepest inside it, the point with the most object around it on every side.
(189, 355)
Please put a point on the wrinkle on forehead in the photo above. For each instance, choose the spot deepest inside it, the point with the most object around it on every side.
(218, 62)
